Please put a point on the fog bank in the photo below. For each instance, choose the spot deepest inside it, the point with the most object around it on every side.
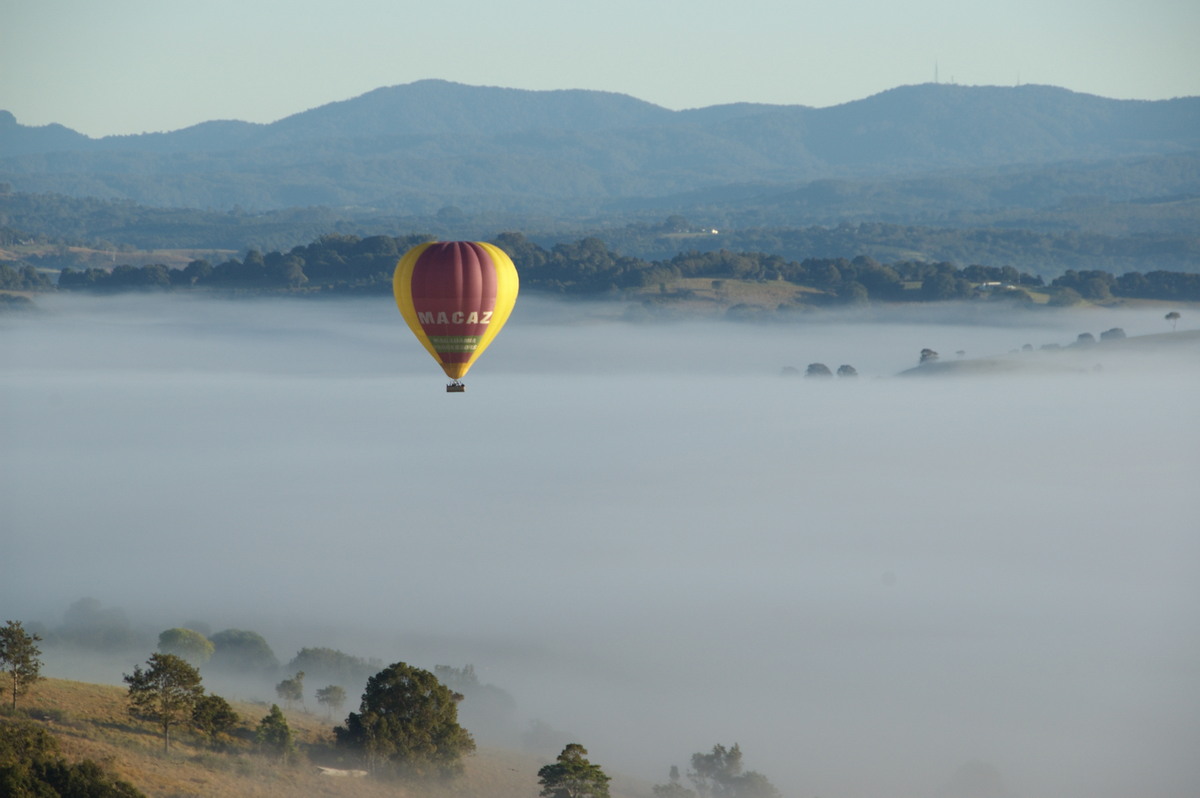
(643, 532)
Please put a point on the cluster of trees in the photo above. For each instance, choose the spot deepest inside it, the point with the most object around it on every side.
(718, 774)
(334, 262)
(1100, 286)
(88, 625)
(407, 725)
(715, 774)
(348, 264)
(24, 278)
(168, 692)
(821, 370)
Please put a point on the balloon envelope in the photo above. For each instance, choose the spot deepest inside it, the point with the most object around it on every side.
(455, 296)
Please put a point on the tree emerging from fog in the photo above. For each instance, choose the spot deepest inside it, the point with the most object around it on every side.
(187, 644)
(243, 651)
(292, 690)
(673, 788)
(817, 370)
(719, 774)
(573, 776)
(332, 697)
(407, 726)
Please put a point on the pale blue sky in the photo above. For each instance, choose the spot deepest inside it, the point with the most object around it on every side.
(131, 66)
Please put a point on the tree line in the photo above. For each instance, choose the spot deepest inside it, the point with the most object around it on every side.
(347, 264)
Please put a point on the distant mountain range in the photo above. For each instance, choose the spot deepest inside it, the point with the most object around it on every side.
(420, 147)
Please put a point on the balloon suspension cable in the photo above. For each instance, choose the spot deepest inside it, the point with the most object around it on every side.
(456, 387)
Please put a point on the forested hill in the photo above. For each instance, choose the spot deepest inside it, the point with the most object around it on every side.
(419, 147)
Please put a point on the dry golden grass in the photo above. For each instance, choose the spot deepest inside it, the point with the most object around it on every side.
(91, 721)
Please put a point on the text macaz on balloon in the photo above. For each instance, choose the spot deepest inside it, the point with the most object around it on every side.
(457, 317)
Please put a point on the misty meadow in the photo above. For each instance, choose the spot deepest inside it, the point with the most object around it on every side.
(644, 532)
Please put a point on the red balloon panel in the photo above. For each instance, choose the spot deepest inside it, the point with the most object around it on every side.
(454, 294)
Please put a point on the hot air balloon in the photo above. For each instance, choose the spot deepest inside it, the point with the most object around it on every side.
(455, 296)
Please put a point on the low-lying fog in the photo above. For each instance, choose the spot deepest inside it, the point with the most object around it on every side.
(643, 532)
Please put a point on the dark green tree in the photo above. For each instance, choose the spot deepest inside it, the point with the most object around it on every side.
(213, 716)
(573, 776)
(407, 725)
(275, 736)
(165, 693)
(19, 657)
(817, 370)
(944, 286)
(32, 767)
(1172, 317)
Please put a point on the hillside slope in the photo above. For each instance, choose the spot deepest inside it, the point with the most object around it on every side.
(91, 721)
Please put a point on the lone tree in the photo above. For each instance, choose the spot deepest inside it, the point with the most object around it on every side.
(407, 725)
(719, 775)
(573, 776)
(817, 370)
(928, 355)
(1172, 317)
(19, 656)
(275, 736)
(165, 693)
(333, 697)
(291, 690)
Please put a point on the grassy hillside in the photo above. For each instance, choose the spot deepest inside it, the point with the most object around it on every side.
(92, 721)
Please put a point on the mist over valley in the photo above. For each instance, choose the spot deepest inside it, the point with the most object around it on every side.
(643, 532)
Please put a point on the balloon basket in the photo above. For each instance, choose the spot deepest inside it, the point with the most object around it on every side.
(456, 387)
